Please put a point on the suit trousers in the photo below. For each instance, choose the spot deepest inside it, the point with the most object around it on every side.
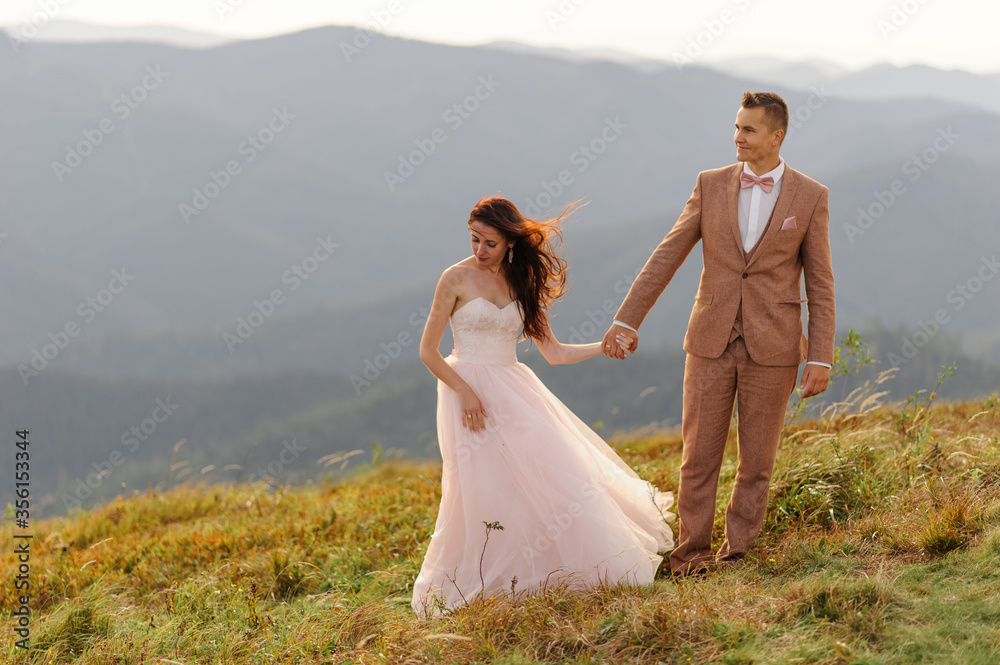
(711, 385)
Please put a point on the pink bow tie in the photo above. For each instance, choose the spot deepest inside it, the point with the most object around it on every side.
(747, 180)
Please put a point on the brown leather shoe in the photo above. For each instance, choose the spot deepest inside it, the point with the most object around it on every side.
(689, 572)
(731, 559)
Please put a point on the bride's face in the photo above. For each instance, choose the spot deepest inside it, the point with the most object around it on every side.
(489, 247)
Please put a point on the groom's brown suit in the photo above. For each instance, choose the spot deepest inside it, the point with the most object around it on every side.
(744, 339)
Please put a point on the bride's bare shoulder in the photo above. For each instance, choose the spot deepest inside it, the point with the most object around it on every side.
(466, 264)
(460, 271)
(456, 276)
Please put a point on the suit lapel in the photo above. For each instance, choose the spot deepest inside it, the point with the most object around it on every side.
(789, 182)
(733, 204)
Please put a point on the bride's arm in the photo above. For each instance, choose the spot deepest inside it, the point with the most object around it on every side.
(557, 353)
(445, 297)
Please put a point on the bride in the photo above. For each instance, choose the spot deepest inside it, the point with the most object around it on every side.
(529, 493)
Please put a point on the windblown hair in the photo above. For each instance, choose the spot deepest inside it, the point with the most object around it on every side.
(537, 275)
(775, 108)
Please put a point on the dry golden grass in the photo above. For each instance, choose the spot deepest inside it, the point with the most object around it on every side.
(881, 545)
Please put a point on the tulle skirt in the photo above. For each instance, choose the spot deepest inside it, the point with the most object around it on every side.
(556, 503)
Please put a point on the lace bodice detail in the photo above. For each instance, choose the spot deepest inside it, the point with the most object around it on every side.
(482, 329)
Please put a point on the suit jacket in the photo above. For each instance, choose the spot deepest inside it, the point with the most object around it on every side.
(767, 284)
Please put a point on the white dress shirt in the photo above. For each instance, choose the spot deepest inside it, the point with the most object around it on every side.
(756, 205)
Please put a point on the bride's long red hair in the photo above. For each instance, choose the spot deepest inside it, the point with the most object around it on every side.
(537, 276)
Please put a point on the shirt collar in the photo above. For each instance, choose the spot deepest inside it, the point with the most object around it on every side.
(775, 173)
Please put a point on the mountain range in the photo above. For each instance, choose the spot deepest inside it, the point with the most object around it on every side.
(353, 118)
(281, 207)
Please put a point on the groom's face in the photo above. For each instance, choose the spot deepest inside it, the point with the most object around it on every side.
(756, 142)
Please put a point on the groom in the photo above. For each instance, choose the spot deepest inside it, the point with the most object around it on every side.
(763, 225)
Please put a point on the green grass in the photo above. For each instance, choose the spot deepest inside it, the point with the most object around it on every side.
(881, 545)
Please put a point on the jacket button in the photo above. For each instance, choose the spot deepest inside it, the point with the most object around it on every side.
(745, 275)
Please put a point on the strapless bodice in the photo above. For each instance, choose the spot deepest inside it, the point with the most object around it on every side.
(485, 333)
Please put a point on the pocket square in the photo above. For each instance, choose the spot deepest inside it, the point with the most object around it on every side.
(789, 224)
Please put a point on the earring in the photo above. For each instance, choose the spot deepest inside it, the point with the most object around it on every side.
(510, 255)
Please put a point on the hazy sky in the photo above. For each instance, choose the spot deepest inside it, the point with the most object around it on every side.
(853, 33)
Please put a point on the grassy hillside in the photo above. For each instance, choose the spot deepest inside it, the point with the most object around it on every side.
(234, 427)
(881, 545)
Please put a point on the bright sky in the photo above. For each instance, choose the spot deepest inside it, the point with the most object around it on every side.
(853, 33)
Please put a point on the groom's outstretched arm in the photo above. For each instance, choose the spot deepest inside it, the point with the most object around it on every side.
(657, 273)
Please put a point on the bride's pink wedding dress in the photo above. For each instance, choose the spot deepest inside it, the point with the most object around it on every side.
(571, 510)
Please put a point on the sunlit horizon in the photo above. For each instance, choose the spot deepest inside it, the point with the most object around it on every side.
(856, 36)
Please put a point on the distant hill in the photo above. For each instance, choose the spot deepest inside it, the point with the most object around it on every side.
(60, 31)
(216, 225)
(875, 83)
(129, 429)
(353, 117)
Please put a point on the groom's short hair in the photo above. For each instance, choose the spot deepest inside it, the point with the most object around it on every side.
(775, 108)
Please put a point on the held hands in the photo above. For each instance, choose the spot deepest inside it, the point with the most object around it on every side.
(619, 342)
(815, 379)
